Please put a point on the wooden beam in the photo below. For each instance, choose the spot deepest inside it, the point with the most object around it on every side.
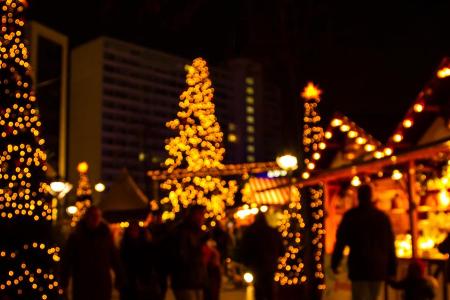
(227, 170)
(375, 165)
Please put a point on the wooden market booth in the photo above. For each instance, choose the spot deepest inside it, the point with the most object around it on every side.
(410, 174)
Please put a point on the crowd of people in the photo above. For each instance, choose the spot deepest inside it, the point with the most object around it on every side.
(192, 259)
(148, 258)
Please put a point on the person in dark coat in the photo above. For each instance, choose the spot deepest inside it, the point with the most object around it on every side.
(139, 264)
(415, 285)
(189, 270)
(213, 266)
(88, 258)
(160, 233)
(368, 233)
(261, 247)
(222, 239)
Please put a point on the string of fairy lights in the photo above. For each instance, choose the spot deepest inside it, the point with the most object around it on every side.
(25, 206)
(22, 276)
(290, 265)
(197, 147)
(318, 231)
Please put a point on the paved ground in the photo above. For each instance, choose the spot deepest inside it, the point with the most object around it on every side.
(228, 293)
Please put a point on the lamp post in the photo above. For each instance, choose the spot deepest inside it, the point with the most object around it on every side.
(59, 189)
(288, 163)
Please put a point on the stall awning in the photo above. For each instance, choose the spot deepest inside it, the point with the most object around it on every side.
(266, 191)
(124, 200)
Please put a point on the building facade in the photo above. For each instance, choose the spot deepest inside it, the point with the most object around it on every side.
(123, 94)
(49, 59)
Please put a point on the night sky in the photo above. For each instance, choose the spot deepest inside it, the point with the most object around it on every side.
(371, 58)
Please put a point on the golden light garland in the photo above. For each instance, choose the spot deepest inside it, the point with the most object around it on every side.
(290, 265)
(417, 108)
(318, 230)
(197, 147)
(358, 141)
(25, 205)
(22, 276)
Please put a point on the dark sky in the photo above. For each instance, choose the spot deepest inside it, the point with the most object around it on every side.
(371, 58)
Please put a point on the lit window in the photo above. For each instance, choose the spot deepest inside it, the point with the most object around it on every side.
(141, 156)
(231, 126)
(232, 138)
(250, 110)
(250, 80)
(250, 158)
(250, 90)
(250, 119)
(250, 129)
(250, 139)
(250, 100)
(251, 149)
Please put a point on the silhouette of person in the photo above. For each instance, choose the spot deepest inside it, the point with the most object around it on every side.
(262, 245)
(139, 261)
(415, 285)
(368, 233)
(88, 258)
(189, 269)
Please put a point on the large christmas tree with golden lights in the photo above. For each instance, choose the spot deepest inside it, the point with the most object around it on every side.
(26, 258)
(197, 147)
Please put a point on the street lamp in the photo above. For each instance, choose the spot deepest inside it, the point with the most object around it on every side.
(58, 189)
(287, 162)
(57, 186)
(100, 187)
(71, 210)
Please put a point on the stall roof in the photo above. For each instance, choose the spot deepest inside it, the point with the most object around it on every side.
(375, 165)
(267, 191)
(124, 200)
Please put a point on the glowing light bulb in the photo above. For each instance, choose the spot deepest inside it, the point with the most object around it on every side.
(388, 151)
(356, 181)
(397, 138)
(418, 107)
(336, 122)
(378, 154)
(407, 123)
(444, 72)
(369, 147)
(345, 128)
(361, 141)
(352, 134)
(396, 175)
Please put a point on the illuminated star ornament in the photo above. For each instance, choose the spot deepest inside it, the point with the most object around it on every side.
(311, 92)
(196, 147)
(26, 259)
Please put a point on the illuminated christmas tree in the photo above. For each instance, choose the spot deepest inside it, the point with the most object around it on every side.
(313, 142)
(197, 147)
(290, 267)
(26, 258)
(84, 193)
